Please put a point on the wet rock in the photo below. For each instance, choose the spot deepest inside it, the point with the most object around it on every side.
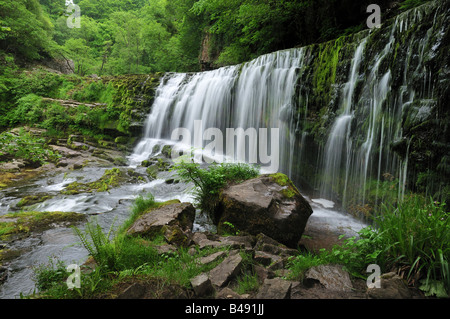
(275, 288)
(392, 287)
(3, 274)
(268, 245)
(332, 277)
(165, 249)
(265, 259)
(156, 220)
(175, 235)
(212, 258)
(265, 205)
(202, 285)
(227, 270)
(64, 151)
(167, 151)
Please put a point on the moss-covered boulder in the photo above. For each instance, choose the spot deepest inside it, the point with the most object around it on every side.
(268, 204)
(22, 224)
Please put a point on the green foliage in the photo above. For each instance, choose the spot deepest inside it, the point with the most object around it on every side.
(298, 265)
(409, 4)
(28, 110)
(100, 245)
(412, 236)
(25, 28)
(25, 146)
(209, 182)
(48, 275)
(119, 257)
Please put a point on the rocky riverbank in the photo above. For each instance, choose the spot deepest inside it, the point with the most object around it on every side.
(239, 252)
(259, 256)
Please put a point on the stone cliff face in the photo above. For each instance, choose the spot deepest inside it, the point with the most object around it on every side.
(373, 104)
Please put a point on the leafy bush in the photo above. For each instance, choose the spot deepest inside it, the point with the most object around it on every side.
(26, 147)
(48, 275)
(413, 237)
(28, 110)
(56, 117)
(100, 245)
(209, 181)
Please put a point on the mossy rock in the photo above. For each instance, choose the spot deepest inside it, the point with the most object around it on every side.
(24, 223)
(32, 199)
(281, 179)
(111, 178)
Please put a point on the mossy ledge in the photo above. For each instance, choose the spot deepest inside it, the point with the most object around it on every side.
(22, 224)
(281, 179)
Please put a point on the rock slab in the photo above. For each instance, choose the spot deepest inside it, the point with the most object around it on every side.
(166, 219)
(332, 277)
(265, 205)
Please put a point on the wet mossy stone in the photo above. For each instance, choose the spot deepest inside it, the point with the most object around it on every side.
(33, 199)
(22, 224)
(268, 204)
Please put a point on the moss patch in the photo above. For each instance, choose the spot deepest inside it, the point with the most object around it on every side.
(32, 199)
(24, 223)
(8, 179)
(110, 179)
(289, 189)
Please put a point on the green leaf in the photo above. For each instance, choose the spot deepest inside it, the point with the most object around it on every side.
(433, 288)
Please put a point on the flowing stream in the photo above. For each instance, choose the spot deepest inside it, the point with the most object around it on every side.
(263, 93)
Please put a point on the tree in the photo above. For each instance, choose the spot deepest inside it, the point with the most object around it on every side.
(25, 29)
(80, 53)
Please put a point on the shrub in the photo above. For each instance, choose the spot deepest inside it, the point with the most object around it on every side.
(28, 110)
(25, 146)
(412, 237)
(209, 181)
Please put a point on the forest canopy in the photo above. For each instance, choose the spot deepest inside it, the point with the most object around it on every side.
(144, 36)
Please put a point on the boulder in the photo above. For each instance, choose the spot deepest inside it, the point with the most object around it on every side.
(275, 288)
(226, 270)
(202, 285)
(268, 204)
(332, 277)
(170, 220)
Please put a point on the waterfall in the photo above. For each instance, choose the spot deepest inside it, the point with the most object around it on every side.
(345, 146)
(339, 144)
(258, 94)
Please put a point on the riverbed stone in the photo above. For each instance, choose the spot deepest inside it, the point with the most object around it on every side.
(202, 285)
(268, 204)
(226, 270)
(156, 221)
(332, 277)
(276, 288)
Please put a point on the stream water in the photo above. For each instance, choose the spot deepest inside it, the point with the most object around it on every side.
(110, 208)
(271, 91)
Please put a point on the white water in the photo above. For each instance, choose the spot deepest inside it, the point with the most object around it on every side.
(258, 94)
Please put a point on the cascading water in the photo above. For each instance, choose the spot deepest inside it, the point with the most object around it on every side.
(386, 81)
(258, 94)
(266, 92)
